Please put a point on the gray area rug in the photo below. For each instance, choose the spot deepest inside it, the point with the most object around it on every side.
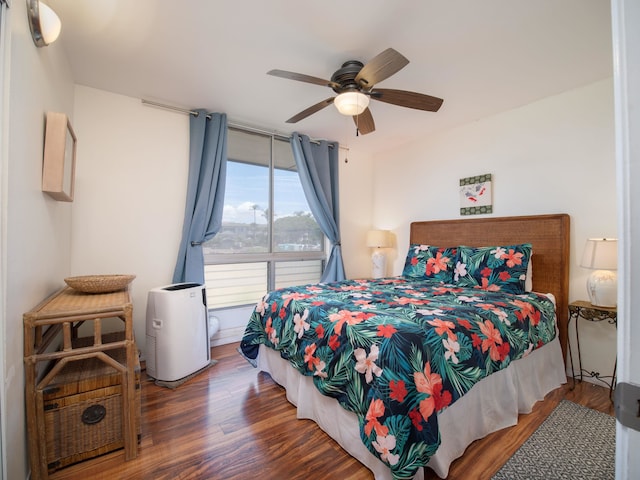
(574, 442)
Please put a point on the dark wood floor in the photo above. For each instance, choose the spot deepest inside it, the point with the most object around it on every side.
(234, 423)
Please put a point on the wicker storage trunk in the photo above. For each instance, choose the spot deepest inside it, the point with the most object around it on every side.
(83, 409)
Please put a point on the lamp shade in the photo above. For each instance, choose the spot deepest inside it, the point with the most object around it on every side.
(351, 103)
(600, 254)
(379, 238)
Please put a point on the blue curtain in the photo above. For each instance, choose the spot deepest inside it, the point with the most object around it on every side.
(205, 192)
(318, 165)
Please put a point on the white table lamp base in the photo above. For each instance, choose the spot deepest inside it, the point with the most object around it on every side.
(602, 287)
(378, 263)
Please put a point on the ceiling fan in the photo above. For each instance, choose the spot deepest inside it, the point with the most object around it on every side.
(354, 83)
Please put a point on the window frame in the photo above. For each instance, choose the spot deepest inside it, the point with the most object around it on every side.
(272, 257)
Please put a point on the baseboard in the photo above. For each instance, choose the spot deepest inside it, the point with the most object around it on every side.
(227, 335)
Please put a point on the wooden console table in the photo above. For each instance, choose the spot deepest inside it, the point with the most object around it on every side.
(64, 312)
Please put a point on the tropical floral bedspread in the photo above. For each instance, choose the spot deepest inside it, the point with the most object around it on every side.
(395, 351)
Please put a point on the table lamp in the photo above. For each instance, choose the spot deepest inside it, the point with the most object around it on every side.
(601, 255)
(378, 240)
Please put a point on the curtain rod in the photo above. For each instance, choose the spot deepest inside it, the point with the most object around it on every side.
(230, 124)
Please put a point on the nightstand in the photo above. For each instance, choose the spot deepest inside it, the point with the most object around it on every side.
(582, 309)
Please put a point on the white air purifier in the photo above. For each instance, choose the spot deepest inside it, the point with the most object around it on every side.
(177, 327)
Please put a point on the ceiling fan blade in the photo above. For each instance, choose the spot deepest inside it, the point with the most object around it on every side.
(311, 110)
(402, 98)
(300, 77)
(364, 122)
(380, 67)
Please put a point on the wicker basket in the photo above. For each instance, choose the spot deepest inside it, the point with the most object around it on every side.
(99, 283)
(83, 410)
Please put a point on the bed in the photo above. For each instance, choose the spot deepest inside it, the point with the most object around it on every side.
(405, 372)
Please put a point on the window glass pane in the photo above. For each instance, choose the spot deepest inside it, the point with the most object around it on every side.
(294, 228)
(246, 201)
(289, 274)
(269, 238)
(235, 284)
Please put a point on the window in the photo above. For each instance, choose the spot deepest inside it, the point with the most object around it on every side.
(269, 238)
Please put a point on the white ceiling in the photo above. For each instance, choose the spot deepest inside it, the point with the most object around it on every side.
(481, 57)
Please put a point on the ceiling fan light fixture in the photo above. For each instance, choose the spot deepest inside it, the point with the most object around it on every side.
(351, 103)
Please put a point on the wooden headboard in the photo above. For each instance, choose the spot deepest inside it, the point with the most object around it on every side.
(548, 234)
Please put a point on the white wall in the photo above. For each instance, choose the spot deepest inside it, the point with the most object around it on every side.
(36, 244)
(553, 156)
(131, 181)
(356, 213)
(130, 193)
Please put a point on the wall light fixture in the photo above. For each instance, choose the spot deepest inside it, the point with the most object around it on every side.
(44, 23)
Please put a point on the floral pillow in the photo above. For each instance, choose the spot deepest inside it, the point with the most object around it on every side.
(499, 268)
(434, 263)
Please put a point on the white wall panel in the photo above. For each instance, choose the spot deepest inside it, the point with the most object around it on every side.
(131, 183)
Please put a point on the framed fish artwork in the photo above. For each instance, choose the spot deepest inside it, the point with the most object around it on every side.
(475, 195)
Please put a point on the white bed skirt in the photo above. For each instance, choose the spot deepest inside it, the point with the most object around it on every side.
(492, 404)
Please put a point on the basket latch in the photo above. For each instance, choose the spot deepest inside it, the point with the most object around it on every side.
(93, 414)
